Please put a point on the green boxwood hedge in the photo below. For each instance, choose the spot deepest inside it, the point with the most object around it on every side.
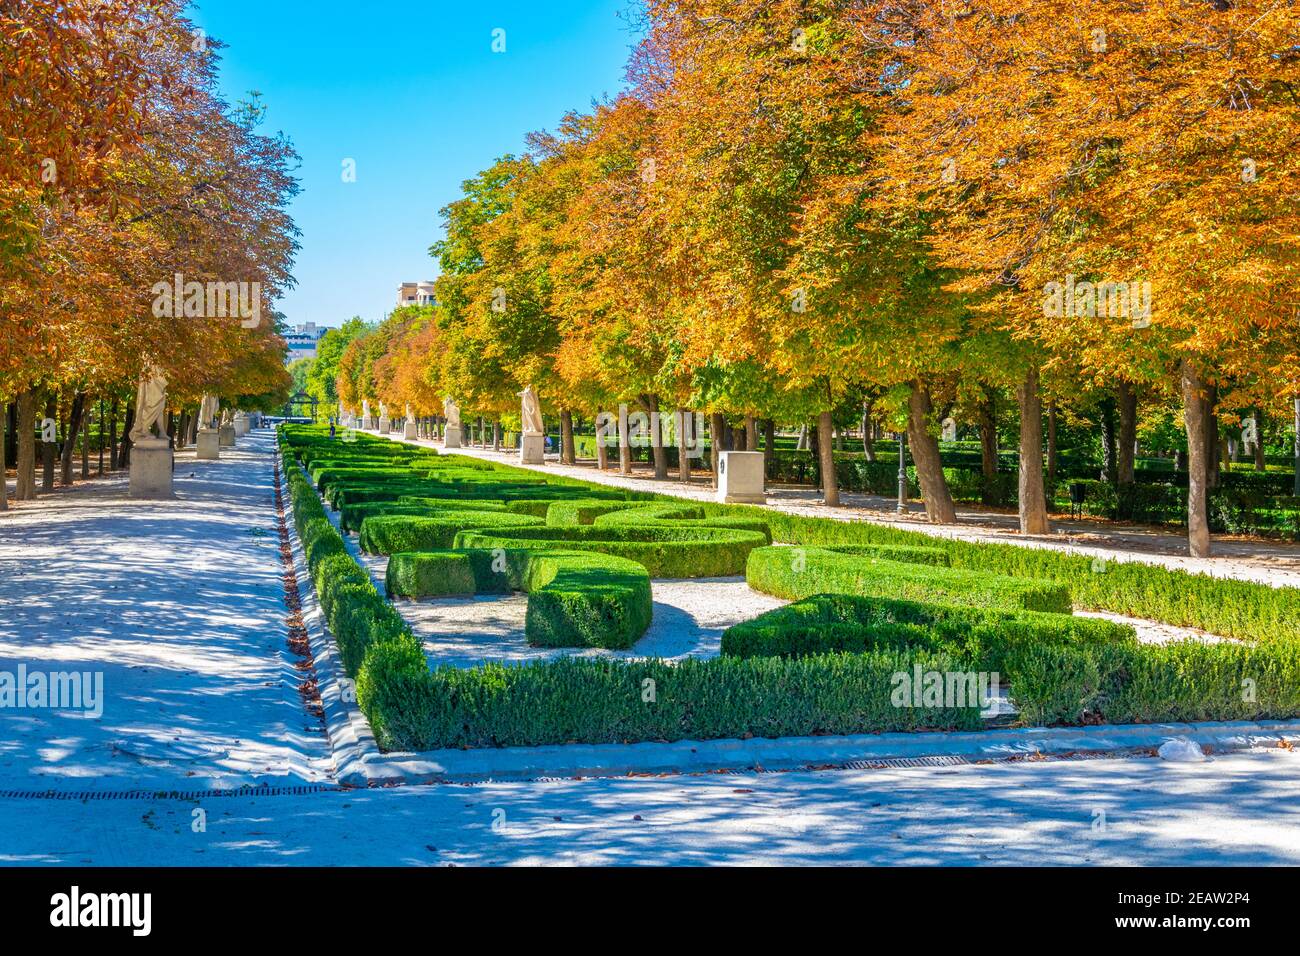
(796, 573)
(841, 622)
(575, 599)
(666, 551)
(428, 531)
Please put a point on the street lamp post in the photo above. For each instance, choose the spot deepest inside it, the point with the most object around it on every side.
(902, 472)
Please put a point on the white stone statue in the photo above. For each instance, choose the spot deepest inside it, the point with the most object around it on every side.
(451, 411)
(225, 417)
(383, 411)
(365, 409)
(150, 407)
(208, 410)
(410, 415)
(531, 412)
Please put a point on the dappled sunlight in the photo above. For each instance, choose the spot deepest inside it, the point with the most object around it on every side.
(178, 604)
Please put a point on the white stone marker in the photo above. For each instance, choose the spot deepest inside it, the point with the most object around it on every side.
(740, 478)
(208, 447)
(451, 431)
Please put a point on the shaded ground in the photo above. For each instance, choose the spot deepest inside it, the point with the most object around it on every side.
(179, 606)
(1238, 809)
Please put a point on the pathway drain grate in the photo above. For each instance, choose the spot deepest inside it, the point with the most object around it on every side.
(87, 795)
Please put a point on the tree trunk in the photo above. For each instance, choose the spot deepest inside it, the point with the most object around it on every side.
(651, 406)
(85, 447)
(868, 429)
(624, 442)
(1108, 466)
(1261, 463)
(939, 508)
(48, 448)
(717, 430)
(1128, 406)
(769, 446)
(802, 443)
(1051, 441)
(1033, 500)
(4, 448)
(1196, 420)
(751, 433)
(112, 438)
(1211, 436)
(988, 426)
(496, 436)
(568, 449)
(826, 460)
(75, 415)
(25, 489)
(685, 426)
(124, 443)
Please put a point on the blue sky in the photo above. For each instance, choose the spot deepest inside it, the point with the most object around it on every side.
(413, 92)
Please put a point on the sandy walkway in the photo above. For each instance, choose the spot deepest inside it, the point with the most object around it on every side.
(179, 606)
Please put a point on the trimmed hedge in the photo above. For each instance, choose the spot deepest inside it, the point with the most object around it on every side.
(575, 599)
(840, 622)
(1179, 681)
(665, 550)
(1226, 606)
(427, 531)
(584, 700)
(796, 573)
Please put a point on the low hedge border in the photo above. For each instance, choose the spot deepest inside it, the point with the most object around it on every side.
(666, 551)
(841, 622)
(796, 573)
(575, 599)
(431, 530)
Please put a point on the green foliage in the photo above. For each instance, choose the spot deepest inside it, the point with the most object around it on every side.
(575, 599)
(796, 573)
(666, 550)
(389, 532)
(840, 622)
(581, 700)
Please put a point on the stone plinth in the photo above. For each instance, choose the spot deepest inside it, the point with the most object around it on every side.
(452, 439)
(226, 435)
(385, 426)
(409, 431)
(367, 423)
(209, 444)
(532, 450)
(740, 478)
(151, 470)
(241, 426)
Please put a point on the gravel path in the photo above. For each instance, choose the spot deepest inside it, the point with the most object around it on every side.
(1238, 809)
(179, 606)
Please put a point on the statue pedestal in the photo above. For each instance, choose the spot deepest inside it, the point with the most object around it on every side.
(367, 423)
(452, 439)
(241, 426)
(226, 435)
(532, 450)
(385, 426)
(151, 470)
(209, 444)
(740, 478)
(408, 431)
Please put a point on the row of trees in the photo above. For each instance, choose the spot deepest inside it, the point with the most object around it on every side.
(911, 207)
(123, 175)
